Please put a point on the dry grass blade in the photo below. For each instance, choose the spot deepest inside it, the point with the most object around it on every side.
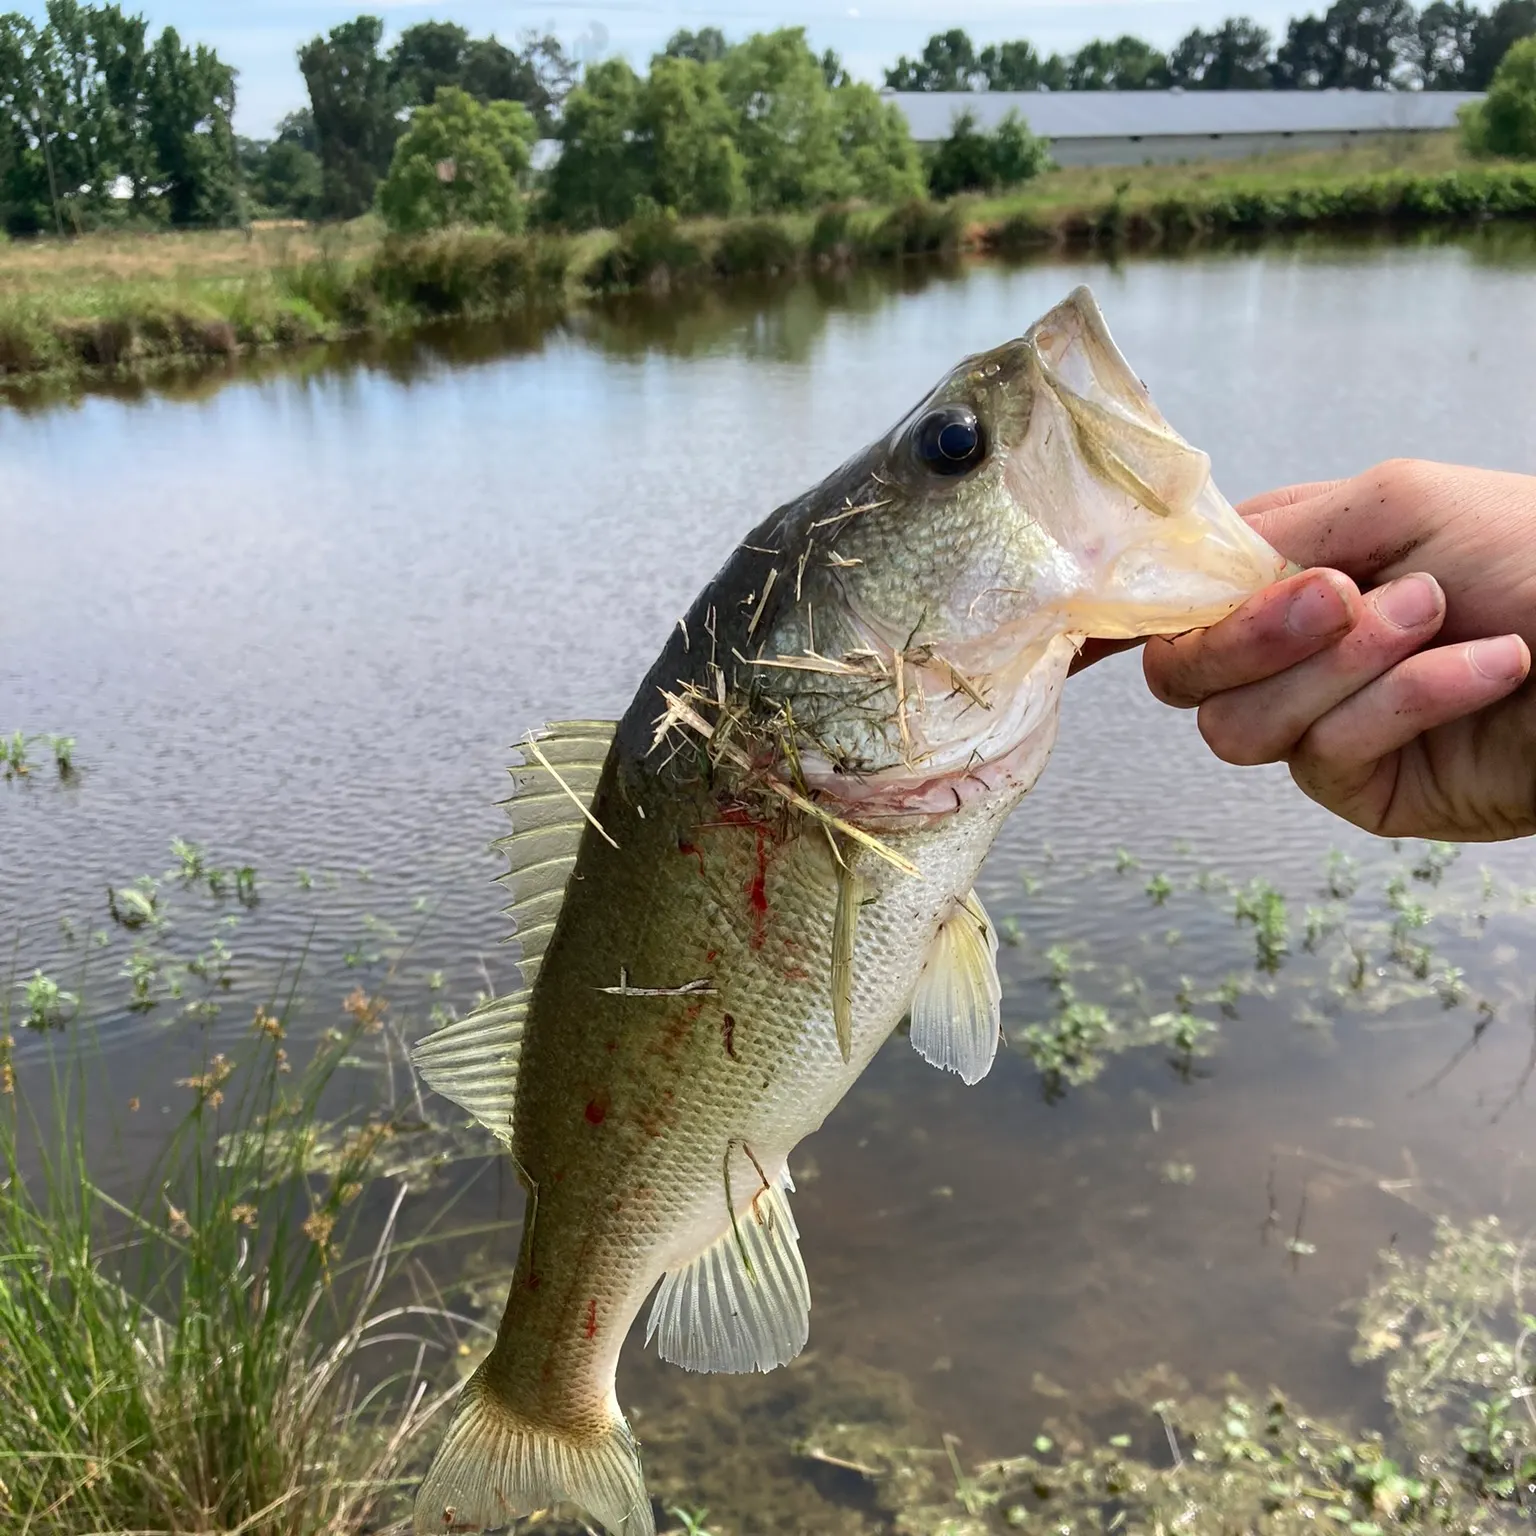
(680, 712)
(530, 745)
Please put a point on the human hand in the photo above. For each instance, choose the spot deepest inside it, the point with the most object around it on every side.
(1333, 671)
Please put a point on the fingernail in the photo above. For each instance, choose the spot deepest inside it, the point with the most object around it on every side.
(1318, 609)
(1503, 660)
(1409, 601)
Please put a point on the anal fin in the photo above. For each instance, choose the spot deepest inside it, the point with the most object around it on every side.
(957, 1007)
(717, 1314)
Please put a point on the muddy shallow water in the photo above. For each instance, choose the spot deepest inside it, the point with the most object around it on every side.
(299, 618)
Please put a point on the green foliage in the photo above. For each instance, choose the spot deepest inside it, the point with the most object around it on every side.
(464, 272)
(761, 129)
(1355, 44)
(685, 153)
(354, 103)
(883, 163)
(970, 160)
(598, 179)
(1263, 906)
(706, 46)
(48, 1005)
(191, 1361)
(1235, 57)
(435, 54)
(786, 123)
(282, 175)
(458, 162)
(89, 103)
(1125, 64)
(1505, 122)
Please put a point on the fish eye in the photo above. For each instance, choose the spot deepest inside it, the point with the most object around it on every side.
(949, 440)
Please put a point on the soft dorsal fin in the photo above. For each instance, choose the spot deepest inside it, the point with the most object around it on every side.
(474, 1061)
(957, 1007)
(744, 1304)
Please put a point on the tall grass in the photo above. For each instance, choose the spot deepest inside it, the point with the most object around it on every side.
(209, 1358)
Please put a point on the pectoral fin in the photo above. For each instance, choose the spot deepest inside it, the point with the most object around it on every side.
(957, 1007)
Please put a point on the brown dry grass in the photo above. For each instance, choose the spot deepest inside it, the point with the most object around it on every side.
(174, 258)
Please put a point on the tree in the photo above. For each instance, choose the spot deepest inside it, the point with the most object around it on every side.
(1126, 64)
(1367, 45)
(354, 106)
(706, 46)
(433, 54)
(970, 160)
(599, 176)
(282, 175)
(190, 101)
(1016, 66)
(948, 63)
(87, 103)
(876, 146)
(786, 124)
(1497, 33)
(1505, 122)
(458, 162)
(1447, 37)
(426, 56)
(1235, 57)
(684, 139)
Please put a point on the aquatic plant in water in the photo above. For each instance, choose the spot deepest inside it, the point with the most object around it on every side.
(48, 1005)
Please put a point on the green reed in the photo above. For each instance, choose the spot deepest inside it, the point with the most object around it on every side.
(195, 1360)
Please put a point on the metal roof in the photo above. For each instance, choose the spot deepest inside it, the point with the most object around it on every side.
(1150, 114)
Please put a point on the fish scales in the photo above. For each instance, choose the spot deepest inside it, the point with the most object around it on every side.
(831, 738)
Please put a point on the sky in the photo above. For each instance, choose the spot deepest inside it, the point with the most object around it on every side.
(260, 37)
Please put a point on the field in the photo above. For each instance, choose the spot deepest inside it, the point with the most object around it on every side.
(115, 301)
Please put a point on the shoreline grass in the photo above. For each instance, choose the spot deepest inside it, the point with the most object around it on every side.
(107, 305)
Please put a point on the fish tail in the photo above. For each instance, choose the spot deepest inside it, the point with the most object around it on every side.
(495, 1466)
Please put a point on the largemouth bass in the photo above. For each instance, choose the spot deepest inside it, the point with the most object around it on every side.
(729, 899)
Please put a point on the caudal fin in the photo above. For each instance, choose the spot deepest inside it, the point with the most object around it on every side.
(494, 1467)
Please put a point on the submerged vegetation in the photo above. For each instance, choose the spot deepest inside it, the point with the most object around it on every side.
(253, 1340)
(104, 304)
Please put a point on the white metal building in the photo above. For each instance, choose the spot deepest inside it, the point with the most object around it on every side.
(1137, 127)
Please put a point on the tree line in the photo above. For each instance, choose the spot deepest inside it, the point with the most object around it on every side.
(102, 122)
(1368, 45)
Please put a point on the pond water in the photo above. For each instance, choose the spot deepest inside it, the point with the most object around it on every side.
(299, 617)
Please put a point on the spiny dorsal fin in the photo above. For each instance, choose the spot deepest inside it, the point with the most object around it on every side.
(717, 1314)
(474, 1061)
(957, 1007)
(550, 805)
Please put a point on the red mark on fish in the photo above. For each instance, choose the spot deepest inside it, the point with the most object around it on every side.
(596, 1112)
(591, 1327)
(728, 1031)
(757, 893)
(690, 848)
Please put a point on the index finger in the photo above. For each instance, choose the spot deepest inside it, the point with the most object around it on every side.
(1285, 496)
(1276, 628)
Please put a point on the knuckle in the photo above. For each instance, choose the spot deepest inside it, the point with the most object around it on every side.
(1404, 478)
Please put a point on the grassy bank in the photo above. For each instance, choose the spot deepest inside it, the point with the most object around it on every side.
(121, 301)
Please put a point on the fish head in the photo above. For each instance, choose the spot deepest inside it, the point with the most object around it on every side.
(946, 576)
